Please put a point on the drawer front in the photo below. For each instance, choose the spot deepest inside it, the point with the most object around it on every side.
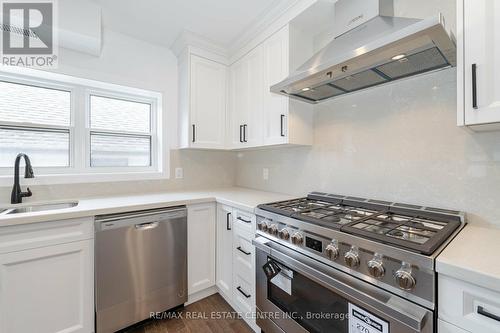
(33, 235)
(244, 295)
(445, 327)
(243, 252)
(244, 220)
(468, 306)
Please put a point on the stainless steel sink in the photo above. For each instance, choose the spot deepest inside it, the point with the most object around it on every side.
(38, 208)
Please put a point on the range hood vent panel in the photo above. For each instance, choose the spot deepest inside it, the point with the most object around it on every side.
(363, 57)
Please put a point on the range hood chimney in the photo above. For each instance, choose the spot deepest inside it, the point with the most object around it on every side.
(372, 48)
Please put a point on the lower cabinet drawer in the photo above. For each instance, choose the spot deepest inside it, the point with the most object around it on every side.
(244, 295)
(244, 252)
(244, 221)
(444, 327)
(468, 306)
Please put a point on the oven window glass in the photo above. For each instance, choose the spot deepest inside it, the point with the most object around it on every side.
(314, 307)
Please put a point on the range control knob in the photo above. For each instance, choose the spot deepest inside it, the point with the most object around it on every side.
(405, 280)
(297, 238)
(284, 234)
(376, 268)
(351, 258)
(273, 230)
(332, 251)
(262, 226)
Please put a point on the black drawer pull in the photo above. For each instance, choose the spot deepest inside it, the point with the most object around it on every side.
(243, 251)
(228, 227)
(243, 220)
(243, 293)
(483, 312)
(245, 133)
(241, 133)
(282, 125)
(474, 86)
(194, 133)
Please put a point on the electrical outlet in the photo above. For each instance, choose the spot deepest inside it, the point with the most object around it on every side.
(179, 173)
(265, 173)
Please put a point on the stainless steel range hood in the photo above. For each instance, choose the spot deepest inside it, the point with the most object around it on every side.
(380, 48)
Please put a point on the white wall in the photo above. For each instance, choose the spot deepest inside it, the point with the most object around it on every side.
(131, 62)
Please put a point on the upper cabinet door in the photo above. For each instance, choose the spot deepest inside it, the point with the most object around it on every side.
(276, 68)
(207, 103)
(253, 127)
(238, 109)
(481, 61)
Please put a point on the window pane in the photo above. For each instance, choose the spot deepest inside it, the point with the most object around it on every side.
(119, 151)
(119, 115)
(44, 148)
(29, 104)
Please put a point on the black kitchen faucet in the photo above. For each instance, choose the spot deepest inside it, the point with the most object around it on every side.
(18, 195)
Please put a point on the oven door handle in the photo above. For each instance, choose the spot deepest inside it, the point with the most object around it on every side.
(347, 286)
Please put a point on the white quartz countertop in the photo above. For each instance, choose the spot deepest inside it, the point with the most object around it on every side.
(473, 256)
(237, 197)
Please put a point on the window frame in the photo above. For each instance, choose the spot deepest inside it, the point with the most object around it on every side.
(79, 168)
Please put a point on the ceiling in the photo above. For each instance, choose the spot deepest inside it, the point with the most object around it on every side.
(161, 21)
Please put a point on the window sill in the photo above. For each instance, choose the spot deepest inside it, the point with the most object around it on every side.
(53, 179)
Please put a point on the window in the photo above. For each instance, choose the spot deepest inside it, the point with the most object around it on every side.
(70, 126)
(120, 132)
(36, 121)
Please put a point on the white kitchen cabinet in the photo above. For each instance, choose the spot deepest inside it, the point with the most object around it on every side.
(469, 307)
(246, 125)
(224, 273)
(478, 23)
(285, 121)
(47, 288)
(259, 117)
(201, 247)
(445, 327)
(202, 102)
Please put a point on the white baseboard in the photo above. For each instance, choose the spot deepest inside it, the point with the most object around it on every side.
(201, 295)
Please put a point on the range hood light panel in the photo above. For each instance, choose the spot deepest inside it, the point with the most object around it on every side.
(399, 57)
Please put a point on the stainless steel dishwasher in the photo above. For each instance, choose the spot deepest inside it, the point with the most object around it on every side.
(140, 265)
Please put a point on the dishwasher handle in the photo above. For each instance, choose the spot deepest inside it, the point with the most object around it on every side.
(146, 226)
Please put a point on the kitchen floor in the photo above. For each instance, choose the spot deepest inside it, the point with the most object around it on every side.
(197, 318)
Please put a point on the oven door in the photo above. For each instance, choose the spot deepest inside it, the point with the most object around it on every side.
(309, 296)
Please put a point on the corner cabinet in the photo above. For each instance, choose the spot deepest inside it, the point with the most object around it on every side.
(246, 100)
(478, 23)
(202, 102)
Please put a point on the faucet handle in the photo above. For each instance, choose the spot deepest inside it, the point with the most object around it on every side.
(28, 193)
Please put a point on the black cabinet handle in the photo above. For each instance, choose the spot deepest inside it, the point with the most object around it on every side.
(243, 220)
(245, 133)
(227, 221)
(243, 293)
(194, 133)
(483, 312)
(282, 124)
(243, 251)
(474, 86)
(241, 135)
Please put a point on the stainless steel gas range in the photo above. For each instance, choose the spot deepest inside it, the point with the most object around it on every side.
(330, 263)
